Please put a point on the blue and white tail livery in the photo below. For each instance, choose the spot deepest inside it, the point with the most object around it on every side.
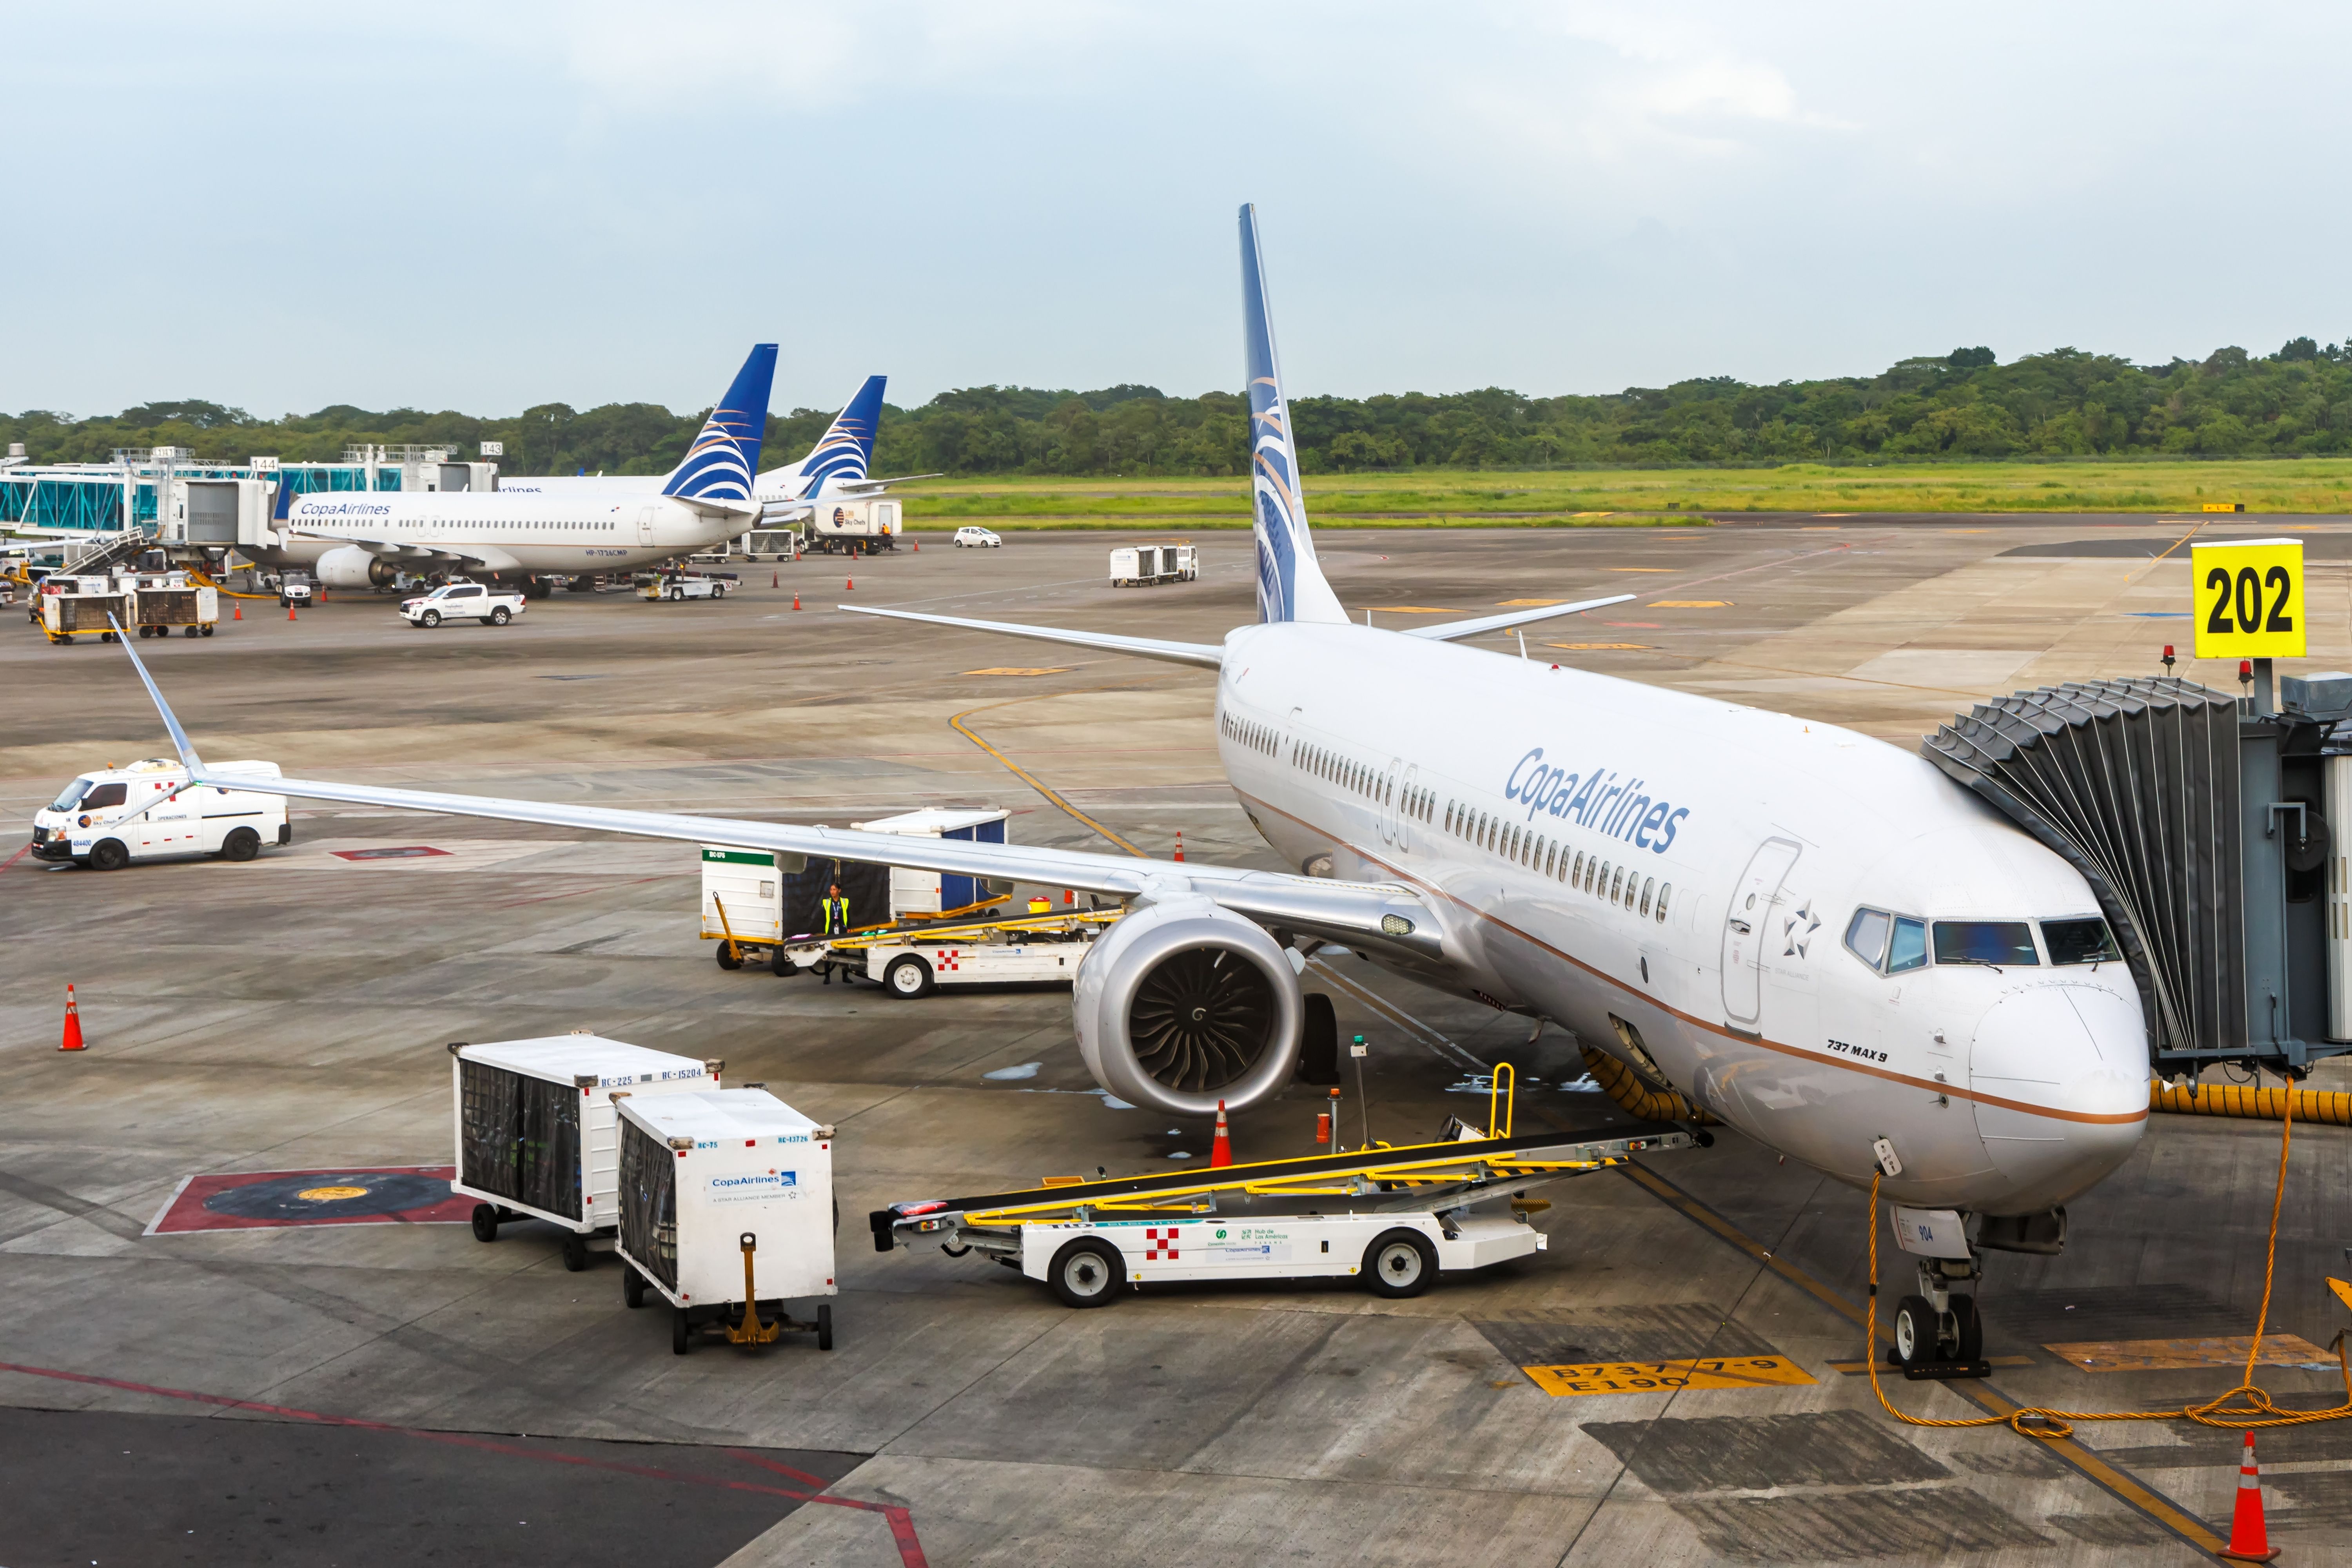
(721, 463)
(845, 454)
(1290, 586)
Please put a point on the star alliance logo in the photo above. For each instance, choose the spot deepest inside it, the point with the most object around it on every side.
(1800, 930)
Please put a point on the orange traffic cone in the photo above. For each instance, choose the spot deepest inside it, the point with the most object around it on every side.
(796, 601)
(289, 612)
(919, 547)
(1179, 844)
(73, 1029)
(2250, 1542)
(1221, 1152)
(1323, 1127)
(849, 584)
(236, 612)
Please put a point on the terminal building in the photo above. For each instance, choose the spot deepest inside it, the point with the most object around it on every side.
(169, 498)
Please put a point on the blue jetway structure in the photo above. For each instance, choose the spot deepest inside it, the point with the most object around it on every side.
(182, 498)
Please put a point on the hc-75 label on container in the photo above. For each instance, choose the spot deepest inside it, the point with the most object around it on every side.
(752, 1186)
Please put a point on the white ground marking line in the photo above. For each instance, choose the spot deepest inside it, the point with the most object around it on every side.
(1438, 1043)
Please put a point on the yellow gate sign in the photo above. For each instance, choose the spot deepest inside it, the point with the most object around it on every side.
(2249, 598)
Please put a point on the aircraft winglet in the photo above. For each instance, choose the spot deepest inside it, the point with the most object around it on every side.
(187, 750)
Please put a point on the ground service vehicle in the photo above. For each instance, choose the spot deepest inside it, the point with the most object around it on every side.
(970, 538)
(859, 526)
(537, 1137)
(111, 816)
(483, 601)
(1141, 565)
(162, 600)
(66, 608)
(727, 1213)
(677, 586)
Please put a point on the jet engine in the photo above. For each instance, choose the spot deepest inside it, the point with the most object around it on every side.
(349, 566)
(1183, 1003)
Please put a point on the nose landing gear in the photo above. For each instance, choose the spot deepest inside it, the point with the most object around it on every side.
(1937, 1334)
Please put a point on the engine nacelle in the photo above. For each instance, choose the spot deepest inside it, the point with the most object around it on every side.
(1183, 1003)
(349, 566)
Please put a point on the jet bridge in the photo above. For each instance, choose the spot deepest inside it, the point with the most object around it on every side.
(2202, 823)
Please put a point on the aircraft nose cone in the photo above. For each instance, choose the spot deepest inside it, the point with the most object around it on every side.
(2060, 1077)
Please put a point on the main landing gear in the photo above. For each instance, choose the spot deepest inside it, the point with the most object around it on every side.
(1937, 1333)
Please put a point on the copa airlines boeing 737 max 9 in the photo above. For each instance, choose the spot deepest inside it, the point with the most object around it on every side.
(356, 540)
(835, 469)
(1815, 936)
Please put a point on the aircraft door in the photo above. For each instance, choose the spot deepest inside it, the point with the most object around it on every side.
(1745, 929)
(644, 525)
(1399, 806)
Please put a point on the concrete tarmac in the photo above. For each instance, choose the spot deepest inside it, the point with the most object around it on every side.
(291, 1015)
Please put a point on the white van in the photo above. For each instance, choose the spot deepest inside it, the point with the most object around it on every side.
(110, 817)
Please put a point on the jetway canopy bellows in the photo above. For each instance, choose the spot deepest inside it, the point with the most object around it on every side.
(2137, 783)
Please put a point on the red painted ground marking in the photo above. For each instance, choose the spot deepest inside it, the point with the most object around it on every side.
(19, 854)
(901, 1521)
(405, 852)
(186, 1212)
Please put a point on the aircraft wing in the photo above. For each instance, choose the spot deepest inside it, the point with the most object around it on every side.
(1446, 631)
(1360, 913)
(486, 558)
(865, 487)
(1205, 655)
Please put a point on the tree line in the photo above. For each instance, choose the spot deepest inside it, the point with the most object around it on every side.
(2064, 403)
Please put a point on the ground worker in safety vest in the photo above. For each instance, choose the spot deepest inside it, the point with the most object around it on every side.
(833, 910)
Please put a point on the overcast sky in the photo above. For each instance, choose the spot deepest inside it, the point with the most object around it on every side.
(485, 207)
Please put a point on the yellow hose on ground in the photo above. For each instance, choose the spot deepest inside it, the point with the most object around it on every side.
(204, 580)
(1635, 1098)
(2333, 1107)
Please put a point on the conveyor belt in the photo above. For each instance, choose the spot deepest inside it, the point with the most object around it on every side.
(1449, 1163)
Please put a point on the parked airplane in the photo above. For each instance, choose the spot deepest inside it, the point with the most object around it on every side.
(360, 540)
(1813, 935)
(835, 469)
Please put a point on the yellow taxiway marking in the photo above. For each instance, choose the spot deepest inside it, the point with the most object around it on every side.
(1688, 605)
(2148, 1355)
(1651, 1376)
(1015, 670)
(1596, 645)
(1528, 604)
(329, 1194)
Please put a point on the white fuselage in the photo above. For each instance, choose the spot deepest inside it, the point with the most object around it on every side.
(2002, 1091)
(555, 535)
(777, 487)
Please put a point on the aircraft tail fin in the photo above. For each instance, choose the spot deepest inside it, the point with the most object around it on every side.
(845, 451)
(1290, 584)
(720, 465)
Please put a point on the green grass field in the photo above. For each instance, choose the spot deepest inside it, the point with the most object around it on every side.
(1635, 497)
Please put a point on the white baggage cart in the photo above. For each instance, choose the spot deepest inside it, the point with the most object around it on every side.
(1143, 565)
(727, 1213)
(536, 1135)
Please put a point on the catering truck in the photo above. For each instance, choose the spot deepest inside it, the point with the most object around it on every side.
(854, 527)
(109, 817)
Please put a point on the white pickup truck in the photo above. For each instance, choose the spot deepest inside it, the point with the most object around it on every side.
(483, 601)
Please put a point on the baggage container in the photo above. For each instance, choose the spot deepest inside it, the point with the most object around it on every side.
(162, 600)
(536, 1137)
(727, 1213)
(752, 904)
(1141, 565)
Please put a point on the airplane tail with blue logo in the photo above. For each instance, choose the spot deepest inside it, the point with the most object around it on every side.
(722, 464)
(1290, 586)
(845, 453)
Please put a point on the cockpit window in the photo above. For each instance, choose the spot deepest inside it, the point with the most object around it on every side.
(72, 794)
(1910, 946)
(1866, 936)
(2002, 944)
(2085, 941)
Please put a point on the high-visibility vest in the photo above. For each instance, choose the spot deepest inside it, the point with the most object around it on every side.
(836, 915)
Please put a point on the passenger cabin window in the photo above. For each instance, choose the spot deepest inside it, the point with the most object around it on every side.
(2002, 944)
(2085, 941)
